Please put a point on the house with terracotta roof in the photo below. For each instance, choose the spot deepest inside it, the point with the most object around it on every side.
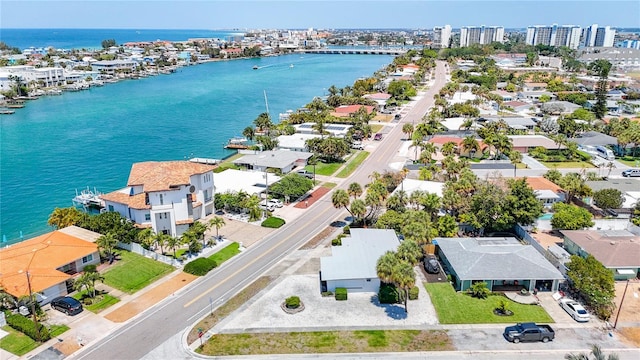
(348, 110)
(546, 191)
(47, 263)
(166, 196)
(617, 250)
(379, 98)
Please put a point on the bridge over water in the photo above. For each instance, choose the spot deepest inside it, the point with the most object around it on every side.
(394, 52)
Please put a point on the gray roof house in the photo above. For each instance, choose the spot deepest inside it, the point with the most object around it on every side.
(594, 138)
(503, 263)
(353, 264)
(284, 160)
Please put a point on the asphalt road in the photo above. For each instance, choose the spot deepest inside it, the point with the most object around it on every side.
(177, 312)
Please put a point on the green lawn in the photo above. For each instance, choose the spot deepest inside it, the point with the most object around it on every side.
(16, 342)
(225, 254)
(326, 169)
(567, 164)
(353, 164)
(459, 308)
(133, 272)
(329, 185)
(630, 161)
(226, 165)
(55, 330)
(100, 302)
(376, 127)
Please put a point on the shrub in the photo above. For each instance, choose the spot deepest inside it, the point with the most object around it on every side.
(273, 222)
(292, 302)
(26, 327)
(413, 293)
(200, 266)
(326, 293)
(388, 294)
(346, 230)
(337, 241)
(341, 294)
(91, 268)
(479, 290)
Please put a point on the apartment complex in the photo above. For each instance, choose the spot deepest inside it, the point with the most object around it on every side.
(482, 35)
(554, 35)
(441, 36)
(595, 36)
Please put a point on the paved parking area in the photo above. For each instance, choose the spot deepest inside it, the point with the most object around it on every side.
(360, 310)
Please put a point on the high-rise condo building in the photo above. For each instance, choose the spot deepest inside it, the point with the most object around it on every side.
(482, 35)
(599, 36)
(554, 35)
(441, 36)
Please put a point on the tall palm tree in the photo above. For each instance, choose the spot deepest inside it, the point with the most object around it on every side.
(448, 148)
(173, 242)
(410, 252)
(470, 144)
(249, 132)
(146, 238)
(340, 199)
(358, 209)
(216, 222)
(385, 265)
(405, 278)
(161, 241)
(107, 243)
(407, 129)
(354, 189)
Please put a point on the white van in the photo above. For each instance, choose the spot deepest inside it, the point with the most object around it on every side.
(605, 153)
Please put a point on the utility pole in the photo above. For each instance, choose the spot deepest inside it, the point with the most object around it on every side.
(621, 301)
(33, 307)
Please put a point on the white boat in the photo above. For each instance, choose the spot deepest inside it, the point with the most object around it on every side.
(291, 66)
(237, 142)
(87, 198)
(285, 115)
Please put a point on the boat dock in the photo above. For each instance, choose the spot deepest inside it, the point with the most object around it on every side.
(206, 161)
(88, 199)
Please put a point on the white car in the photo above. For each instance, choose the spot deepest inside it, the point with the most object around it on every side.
(573, 308)
(264, 205)
(275, 202)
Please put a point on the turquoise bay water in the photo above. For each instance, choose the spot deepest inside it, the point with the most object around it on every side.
(61, 143)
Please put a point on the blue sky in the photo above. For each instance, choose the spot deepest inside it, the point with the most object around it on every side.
(380, 14)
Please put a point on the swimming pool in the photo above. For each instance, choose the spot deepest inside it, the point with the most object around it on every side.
(546, 216)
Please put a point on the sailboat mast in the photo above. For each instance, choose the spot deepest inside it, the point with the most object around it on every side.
(266, 103)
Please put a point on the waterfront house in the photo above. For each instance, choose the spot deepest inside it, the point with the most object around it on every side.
(295, 142)
(617, 250)
(352, 265)
(110, 67)
(48, 263)
(250, 182)
(379, 98)
(503, 263)
(337, 130)
(348, 110)
(166, 196)
(282, 160)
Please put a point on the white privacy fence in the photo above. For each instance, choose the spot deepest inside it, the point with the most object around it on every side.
(138, 249)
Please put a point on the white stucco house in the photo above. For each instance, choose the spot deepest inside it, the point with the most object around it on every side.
(353, 264)
(167, 196)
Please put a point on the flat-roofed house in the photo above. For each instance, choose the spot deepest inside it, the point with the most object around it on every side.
(524, 143)
(167, 196)
(49, 261)
(353, 264)
(283, 160)
(617, 250)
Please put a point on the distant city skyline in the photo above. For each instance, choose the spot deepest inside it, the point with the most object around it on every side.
(317, 14)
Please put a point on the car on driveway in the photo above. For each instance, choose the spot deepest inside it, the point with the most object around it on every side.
(67, 305)
(305, 173)
(265, 205)
(431, 265)
(573, 308)
(631, 173)
(275, 202)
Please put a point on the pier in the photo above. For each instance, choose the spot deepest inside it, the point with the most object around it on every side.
(394, 52)
(206, 161)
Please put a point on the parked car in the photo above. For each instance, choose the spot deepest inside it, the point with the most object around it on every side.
(577, 311)
(631, 173)
(265, 205)
(377, 137)
(357, 146)
(305, 173)
(529, 332)
(431, 265)
(67, 305)
(275, 202)
(611, 212)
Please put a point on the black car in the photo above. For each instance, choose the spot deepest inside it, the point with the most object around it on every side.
(431, 265)
(67, 305)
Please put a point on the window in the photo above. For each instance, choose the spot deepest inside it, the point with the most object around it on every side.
(87, 258)
(110, 207)
(161, 200)
(147, 217)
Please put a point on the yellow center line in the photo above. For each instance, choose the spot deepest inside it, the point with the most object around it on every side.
(251, 262)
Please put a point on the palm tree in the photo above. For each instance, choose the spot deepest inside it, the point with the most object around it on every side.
(358, 209)
(410, 252)
(249, 132)
(597, 353)
(88, 281)
(354, 189)
(108, 244)
(448, 148)
(173, 242)
(146, 238)
(82, 282)
(405, 278)
(470, 144)
(63, 217)
(216, 222)
(408, 130)
(340, 199)
(385, 265)
(161, 241)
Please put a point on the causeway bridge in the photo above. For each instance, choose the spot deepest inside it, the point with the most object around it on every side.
(394, 52)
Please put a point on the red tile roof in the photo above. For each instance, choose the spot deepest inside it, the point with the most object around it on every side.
(350, 109)
(137, 201)
(164, 175)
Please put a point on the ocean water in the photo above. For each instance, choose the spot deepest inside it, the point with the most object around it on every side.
(92, 38)
(57, 144)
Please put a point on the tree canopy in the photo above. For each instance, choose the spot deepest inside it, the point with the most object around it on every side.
(594, 282)
(570, 217)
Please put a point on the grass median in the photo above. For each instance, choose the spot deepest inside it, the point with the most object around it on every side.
(318, 342)
(353, 164)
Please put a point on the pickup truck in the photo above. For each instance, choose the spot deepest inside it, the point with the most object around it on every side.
(529, 332)
(305, 173)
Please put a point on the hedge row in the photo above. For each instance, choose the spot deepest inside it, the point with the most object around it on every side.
(388, 294)
(341, 294)
(25, 326)
(200, 266)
